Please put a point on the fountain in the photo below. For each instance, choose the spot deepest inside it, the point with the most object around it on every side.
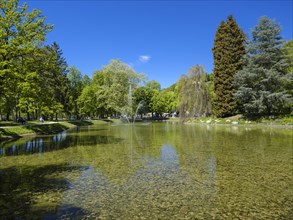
(127, 113)
(140, 104)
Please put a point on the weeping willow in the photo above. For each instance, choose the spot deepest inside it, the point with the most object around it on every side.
(194, 94)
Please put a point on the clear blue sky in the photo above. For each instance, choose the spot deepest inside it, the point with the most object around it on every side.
(162, 39)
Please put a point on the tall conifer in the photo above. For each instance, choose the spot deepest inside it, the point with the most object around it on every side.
(264, 84)
(228, 51)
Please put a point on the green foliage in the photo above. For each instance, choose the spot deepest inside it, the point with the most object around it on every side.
(57, 78)
(86, 81)
(263, 83)
(194, 98)
(154, 100)
(32, 76)
(288, 52)
(143, 96)
(110, 89)
(87, 102)
(75, 89)
(153, 85)
(163, 102)
(228, 51)
(20, 33)
(36, 81)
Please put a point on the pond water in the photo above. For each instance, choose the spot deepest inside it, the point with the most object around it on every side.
(149, 171)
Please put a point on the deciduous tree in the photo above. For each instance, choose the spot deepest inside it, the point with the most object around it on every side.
(194, 99)
(22, 32)
(114, 85)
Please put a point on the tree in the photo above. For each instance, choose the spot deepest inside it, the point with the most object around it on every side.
(52, 70)
(261, 84)
(142, 96)
(228, 51)
(163, 101)
(75, 89)
(288, 51)
(42, 85)
(59, 82)
(153, 84)
(87, 102)
(86, 81)
(21, 34)
(194, 99)
(151, 98)
(114, 85)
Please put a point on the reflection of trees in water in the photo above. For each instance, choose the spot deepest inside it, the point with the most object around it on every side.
(158, 190)
(30, 192)
(163, 170)
(52, 143)
(120, 160)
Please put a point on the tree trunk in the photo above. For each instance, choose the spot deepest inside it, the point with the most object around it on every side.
(36, 114)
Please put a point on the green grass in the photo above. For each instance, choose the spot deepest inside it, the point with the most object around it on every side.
(15, 131)
(241, 120)
(18, 131)
(10, 130)
(8, 123)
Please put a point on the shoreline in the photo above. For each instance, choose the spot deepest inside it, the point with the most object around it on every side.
(11, 133)
(33, 128)
(278, 126)
(237, 123)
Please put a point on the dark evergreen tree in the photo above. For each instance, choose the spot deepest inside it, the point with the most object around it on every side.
(57, 74)
(263, 82)
(288, 52)
(228, 50)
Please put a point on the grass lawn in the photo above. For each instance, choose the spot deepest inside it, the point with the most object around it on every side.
(10, 129)
(239, 119)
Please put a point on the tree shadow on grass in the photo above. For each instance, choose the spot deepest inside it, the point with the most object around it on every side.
(6, 134)
(81, 123)
(47, 128)
(39, 129)
(21, 186)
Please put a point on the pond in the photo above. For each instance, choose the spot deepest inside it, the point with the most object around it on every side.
(149, 171)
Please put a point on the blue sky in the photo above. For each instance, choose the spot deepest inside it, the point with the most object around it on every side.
(162, 39)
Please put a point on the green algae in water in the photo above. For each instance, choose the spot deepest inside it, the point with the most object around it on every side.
(155, 171)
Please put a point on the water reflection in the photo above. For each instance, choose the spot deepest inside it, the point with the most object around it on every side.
(23, 187)
(53, 142)
(158, 190)
(159, 171)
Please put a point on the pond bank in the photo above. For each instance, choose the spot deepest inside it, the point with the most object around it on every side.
(32, 128)
(236, 121)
